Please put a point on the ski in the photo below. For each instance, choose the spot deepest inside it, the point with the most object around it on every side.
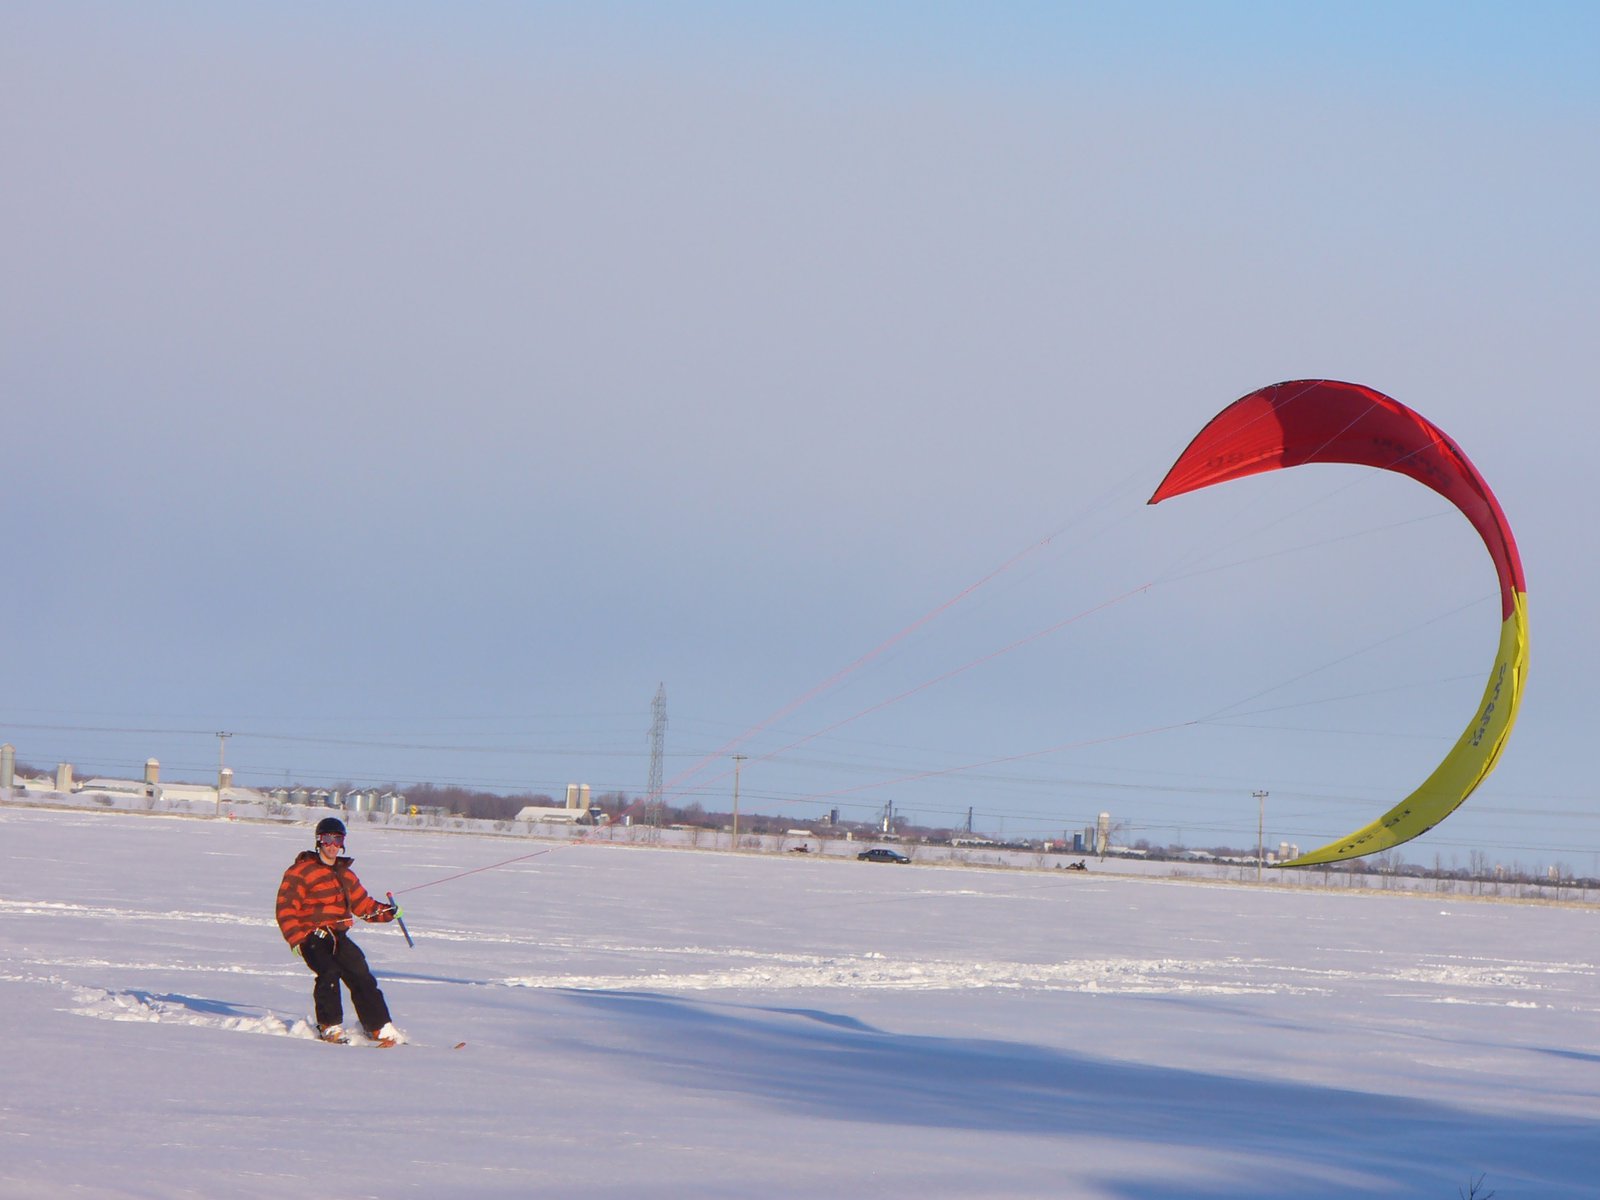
(386, 1043)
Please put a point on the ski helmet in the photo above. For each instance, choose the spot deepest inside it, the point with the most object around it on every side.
(329, 825)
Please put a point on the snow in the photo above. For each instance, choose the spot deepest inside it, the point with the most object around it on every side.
(670, 1022)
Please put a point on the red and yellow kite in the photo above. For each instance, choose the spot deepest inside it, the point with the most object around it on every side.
(1320, 420)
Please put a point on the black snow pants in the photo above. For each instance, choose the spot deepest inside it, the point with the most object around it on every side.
(335, 959)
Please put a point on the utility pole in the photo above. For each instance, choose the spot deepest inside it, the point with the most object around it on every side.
(1261, 821)
(222, 742)
(737, 759)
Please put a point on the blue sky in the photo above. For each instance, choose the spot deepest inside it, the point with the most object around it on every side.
(411, 391)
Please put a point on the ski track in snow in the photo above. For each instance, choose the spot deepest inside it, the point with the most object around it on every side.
(1165, 976)
(1130, 976)
(98, 912)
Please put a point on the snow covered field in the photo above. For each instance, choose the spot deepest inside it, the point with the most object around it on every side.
(668, 1023)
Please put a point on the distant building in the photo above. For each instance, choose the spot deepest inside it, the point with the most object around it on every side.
(120, 787)
(561, 816)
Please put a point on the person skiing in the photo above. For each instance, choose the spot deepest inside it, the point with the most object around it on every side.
(317, 901)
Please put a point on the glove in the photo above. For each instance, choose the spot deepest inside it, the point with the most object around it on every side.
(388, 912)
(298, 951)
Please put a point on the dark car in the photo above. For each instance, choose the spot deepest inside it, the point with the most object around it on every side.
(879, 854)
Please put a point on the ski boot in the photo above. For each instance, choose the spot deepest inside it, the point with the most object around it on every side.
(387, 1036)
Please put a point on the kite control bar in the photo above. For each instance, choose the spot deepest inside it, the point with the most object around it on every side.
(400, 919)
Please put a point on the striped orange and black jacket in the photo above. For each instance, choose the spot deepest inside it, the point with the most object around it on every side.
(315, 896)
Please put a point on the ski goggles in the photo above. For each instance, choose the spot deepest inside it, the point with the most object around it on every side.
(330, 839)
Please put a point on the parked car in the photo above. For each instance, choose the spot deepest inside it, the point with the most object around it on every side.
(879, 854)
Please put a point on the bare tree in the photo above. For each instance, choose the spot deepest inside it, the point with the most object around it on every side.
(1478, 862)
(1388, 866)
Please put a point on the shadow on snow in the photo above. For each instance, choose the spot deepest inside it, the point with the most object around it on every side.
(195, 1004)
(826, 1065)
